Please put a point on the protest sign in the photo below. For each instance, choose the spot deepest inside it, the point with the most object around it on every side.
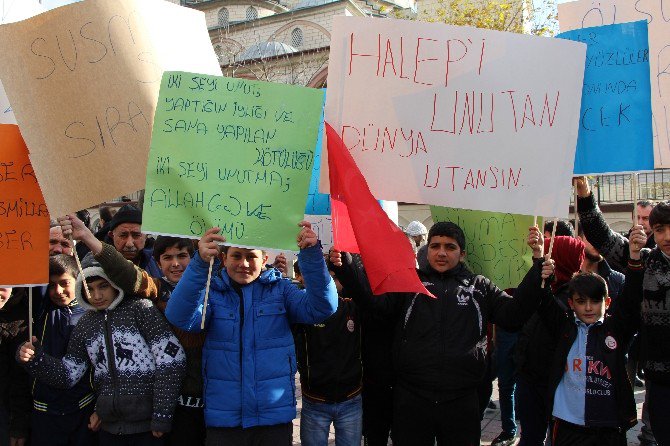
(457, 116)
(13, 11)
(231, 153)
(615, 126)
(586, 13)
(495, 243)
(24, 219)
(83, 82)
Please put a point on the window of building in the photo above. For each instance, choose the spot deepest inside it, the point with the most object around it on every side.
(296, 37)
(252, 13)
(223, 17)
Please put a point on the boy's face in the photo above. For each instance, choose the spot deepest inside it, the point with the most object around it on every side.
(244, 265)
(62, 289)
(5, 293)
(662, 237)
(173, 262)
(587, 310)
(102, 293)
(444, 253)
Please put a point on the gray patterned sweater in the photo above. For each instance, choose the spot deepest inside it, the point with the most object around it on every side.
(138, 363)
(654, 295)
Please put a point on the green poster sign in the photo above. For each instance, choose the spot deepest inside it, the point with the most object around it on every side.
(231, 153)
(495, 243)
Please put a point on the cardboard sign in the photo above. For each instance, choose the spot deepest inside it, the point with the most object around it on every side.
(231, 153)
(457, 116)
(13, 11)
(24, 219)
(495, 243)
(615, 127)
(587, 13)
(83, 82)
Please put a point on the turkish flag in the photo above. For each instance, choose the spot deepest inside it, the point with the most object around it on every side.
(360, 225)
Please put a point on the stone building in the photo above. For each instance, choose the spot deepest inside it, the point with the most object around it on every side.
(283, 41)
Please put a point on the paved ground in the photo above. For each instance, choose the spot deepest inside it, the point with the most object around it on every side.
(491, 424)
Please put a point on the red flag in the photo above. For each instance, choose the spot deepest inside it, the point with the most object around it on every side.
(361, 225)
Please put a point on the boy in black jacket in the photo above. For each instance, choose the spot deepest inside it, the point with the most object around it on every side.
(329, 362)
(440, 344)
(589, 391)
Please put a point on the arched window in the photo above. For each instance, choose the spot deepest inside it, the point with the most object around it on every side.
(252, 13)
(223, 17)
(296, 37)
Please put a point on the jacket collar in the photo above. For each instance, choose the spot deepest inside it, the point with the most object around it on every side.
(460, 273)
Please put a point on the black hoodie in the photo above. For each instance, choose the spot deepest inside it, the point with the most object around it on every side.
(439, 348)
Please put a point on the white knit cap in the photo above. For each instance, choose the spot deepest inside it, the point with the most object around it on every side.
(416, 228)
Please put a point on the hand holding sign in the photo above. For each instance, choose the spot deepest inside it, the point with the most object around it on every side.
(208, 245)
(636, 241)
(548, 267)
(306, 237)
(27, 351)
(536, 242)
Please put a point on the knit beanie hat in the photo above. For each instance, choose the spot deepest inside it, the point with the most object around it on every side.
(568, 255)
(416, 228)
(127, 214)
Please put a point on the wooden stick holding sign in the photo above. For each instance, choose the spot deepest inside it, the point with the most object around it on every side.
(204, 305)
(635, 196)
(551, 242)
(81, 271)
(576, 215)
(30, 314)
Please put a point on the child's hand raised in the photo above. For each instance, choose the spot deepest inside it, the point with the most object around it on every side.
(306, 237)
(208, 245)
(27, 351)
(535, 241)
(636, 241)
(548, 267)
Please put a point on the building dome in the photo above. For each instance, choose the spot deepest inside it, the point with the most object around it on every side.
(310, 3)
(266, 50)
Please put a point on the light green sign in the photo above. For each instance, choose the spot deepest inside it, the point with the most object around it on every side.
(495, 243)
(231, 153)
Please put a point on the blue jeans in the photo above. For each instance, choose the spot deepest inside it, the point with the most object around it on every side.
(505, 345)
(347, 417)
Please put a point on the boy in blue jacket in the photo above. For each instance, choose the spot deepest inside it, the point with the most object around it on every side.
(61, 416)
(248, 358)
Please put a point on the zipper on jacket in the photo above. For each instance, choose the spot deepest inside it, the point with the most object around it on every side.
(306, 356)
(111, 363)
(291, 377)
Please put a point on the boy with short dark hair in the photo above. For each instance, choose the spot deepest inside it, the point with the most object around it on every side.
(589, 391)
(137, 362)
(61, 416)
(440, 343)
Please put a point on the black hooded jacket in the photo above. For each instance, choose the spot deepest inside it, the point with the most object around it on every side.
(439, 350)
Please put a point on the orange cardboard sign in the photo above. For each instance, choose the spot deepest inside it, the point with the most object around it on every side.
(24, 219)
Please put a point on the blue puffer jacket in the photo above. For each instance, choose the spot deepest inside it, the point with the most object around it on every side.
(249, 368)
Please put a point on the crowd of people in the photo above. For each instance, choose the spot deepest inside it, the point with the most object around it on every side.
(169, 341)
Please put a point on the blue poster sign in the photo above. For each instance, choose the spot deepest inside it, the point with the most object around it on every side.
(615, 131)
(317, 203)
